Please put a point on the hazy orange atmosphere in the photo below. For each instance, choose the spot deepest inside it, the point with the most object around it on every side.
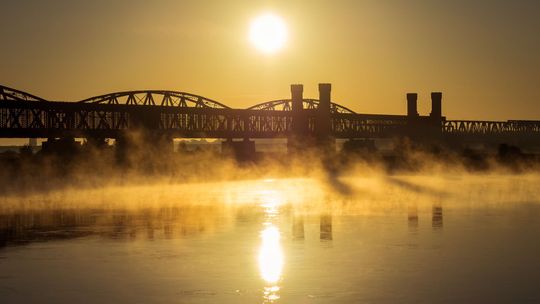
(483, 55)
(274, 152)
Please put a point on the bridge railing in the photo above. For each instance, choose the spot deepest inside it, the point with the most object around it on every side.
(490, 127)
(38, 119)
(56, 119)
(368, 125)
(225, 122)
(29, 115)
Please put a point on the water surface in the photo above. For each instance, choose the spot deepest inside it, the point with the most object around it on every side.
(379, 239)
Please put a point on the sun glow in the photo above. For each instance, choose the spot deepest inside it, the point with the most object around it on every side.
(268, 33)
(270, 255)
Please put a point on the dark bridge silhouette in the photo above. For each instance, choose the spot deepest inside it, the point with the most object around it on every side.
(171, 114)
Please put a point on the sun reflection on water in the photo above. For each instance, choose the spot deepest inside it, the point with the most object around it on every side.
(271, 201)
(270, 257)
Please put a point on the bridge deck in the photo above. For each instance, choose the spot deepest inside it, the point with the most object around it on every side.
(184, 115)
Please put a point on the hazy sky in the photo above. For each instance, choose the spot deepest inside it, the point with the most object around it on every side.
(484, 54)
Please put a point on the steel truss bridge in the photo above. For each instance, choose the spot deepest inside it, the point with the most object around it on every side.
(184, 115)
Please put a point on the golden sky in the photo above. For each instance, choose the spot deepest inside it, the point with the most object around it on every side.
(484, 54)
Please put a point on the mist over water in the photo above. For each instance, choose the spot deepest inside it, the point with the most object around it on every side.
(423, 205)
(72, 166)
(201, 227)
(261, 234)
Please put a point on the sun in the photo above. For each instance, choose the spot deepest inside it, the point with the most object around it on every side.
(268, 33)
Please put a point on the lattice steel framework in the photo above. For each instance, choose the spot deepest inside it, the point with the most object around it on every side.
(156, 97)
(13, 94)
(346, 125)
(490, 127)
(308, 104)
(178, 114)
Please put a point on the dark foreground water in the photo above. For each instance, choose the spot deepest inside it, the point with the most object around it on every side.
(454, 239)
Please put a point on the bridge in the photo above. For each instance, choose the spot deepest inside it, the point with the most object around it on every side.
(172, 114)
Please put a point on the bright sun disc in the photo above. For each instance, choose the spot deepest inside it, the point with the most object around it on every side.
(268, 33)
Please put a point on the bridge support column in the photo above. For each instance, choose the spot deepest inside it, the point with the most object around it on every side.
(412, 116)
(95, 147)
(241, 150)
(96, 142)
(163, 144)
(323, 124)
(436, 106)
(360, 147)
(436, 115)
(64, 147)
(32, 143)
(145, 146)
(144, 149)
(424, 129)
(298, 141)
(412, 105)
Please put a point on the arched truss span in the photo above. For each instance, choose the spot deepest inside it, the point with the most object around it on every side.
(286, 105)
(13, 94)
(155, 97)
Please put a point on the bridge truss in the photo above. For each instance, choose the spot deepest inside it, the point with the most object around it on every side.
(179, 114)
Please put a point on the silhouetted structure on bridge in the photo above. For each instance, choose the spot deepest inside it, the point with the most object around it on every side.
(160, 116)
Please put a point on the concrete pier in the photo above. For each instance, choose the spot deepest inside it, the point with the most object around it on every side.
(243, 150)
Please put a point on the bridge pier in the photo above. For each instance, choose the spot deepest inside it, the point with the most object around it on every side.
(436, 118)
(311, 129)
(144, 148)
(124, 146)
(96, 142)
(424, 129)
(413, 119)
(241, 150)
(360, 147)
(145, 145)
(323, 124)
(64, 147)
(298, 141)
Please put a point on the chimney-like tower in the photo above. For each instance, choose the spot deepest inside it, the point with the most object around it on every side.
(297, 99)
(324, 96)
(436, 105)
(412, 106)
(323, 125)
(297, 92)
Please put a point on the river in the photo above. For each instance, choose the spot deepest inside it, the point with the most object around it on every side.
(362, 239)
